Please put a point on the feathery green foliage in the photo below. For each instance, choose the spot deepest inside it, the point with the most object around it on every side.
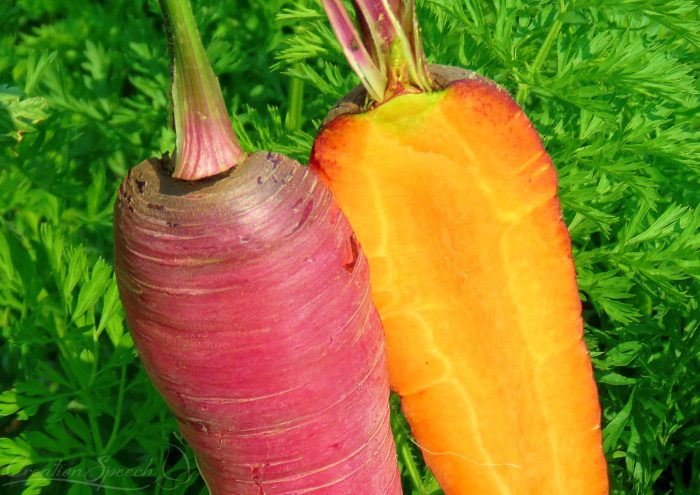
(612, 86)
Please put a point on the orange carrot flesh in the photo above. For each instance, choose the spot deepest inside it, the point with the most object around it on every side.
(453, 199)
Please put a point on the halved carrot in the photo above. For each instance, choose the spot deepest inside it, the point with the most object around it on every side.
(453, 199)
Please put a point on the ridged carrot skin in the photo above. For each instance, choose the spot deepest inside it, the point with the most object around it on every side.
(454, 200)
(248, 300)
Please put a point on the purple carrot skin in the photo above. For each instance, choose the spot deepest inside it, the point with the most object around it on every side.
(248, 299)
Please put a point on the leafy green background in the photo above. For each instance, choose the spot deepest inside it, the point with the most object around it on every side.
(612, 86)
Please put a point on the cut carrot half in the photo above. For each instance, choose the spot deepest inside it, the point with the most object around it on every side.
(454, 201)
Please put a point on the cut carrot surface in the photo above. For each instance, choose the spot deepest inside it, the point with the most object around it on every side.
(453, 199)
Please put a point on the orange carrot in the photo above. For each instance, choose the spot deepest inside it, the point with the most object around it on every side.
(454, 200)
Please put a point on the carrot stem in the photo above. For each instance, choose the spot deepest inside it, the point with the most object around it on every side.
(296, 104)
(410, 464)
(554, 30)
(205, 142)
(389, 57)
(371, 76)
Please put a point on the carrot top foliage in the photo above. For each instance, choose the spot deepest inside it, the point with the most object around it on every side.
(612, 87)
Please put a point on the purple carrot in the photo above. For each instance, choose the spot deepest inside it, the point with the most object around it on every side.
(248, 299)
